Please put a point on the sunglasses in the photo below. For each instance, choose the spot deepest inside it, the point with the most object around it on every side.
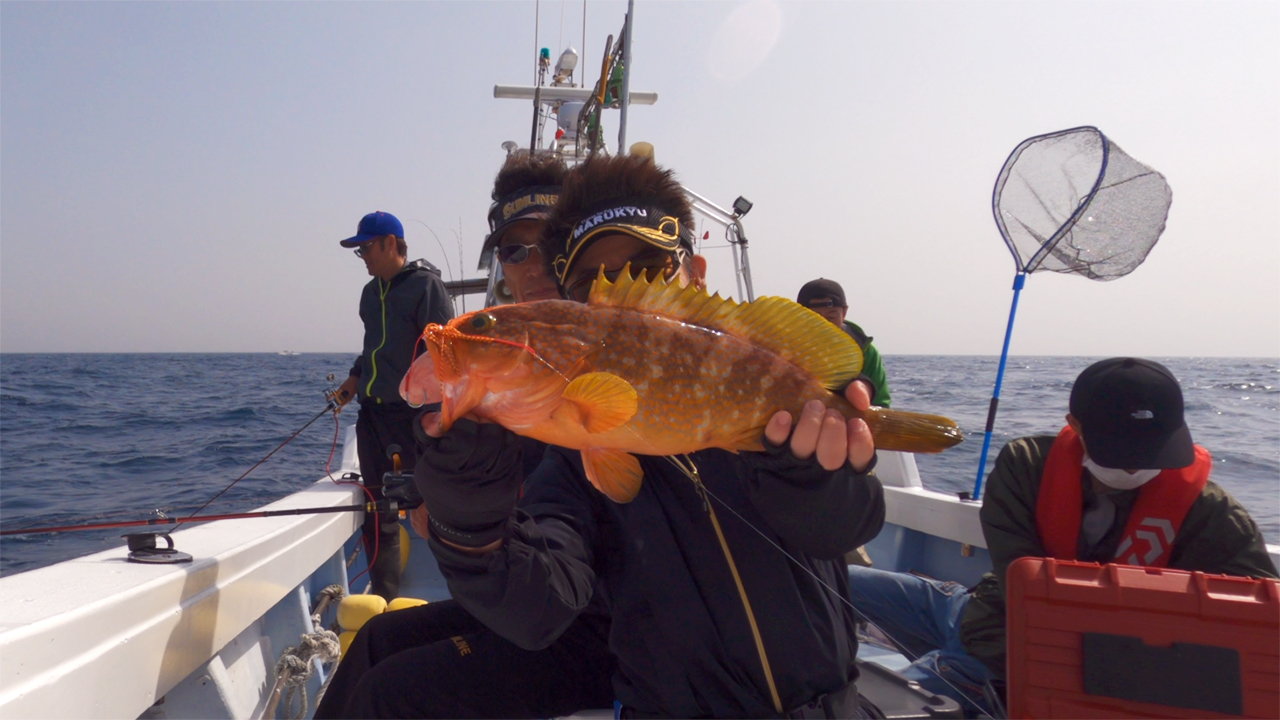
(366, 248)
(515, 254)
(652, 263)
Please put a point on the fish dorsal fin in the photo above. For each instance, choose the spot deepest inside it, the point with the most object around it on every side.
(798, 334)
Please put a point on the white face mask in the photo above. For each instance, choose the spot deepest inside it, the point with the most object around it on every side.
(1116, 478)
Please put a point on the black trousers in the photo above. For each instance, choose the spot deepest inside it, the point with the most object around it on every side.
(378, 427)
(436, 661)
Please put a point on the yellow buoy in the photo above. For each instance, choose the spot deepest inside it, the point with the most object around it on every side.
(404, 548)
(401, 603)
(344, 642)
(355, 610)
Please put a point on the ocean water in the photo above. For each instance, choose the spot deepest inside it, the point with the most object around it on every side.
(102, 438)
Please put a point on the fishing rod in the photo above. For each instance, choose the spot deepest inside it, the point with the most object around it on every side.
(384, 505)
(333, 403)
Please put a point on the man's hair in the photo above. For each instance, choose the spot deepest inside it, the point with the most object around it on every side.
(402, 247)
(602, 181)
(523, 169)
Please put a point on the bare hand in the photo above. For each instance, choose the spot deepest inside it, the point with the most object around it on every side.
(418, 519)
(825, 432)
(346, 391)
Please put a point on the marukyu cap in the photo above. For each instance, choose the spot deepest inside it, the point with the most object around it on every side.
(530, 203)
(374, 225)
(639, 220)
(1130, 413)
(821, 288)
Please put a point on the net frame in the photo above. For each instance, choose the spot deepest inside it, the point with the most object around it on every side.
(1037, 258)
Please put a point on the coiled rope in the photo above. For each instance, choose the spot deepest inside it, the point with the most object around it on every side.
(294, 667)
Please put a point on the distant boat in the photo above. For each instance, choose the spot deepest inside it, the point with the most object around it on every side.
(288, 352)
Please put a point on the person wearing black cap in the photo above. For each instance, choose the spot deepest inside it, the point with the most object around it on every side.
(524, 192)
(710, 619)
(395, 306)
(1122, 483)
(826, 298)
(437, 660)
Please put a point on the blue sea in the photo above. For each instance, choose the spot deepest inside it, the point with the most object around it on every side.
(102, 438)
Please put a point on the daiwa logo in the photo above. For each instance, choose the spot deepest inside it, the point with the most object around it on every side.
(618, 213)
(1157, 543)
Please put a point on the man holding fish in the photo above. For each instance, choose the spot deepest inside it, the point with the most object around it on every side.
(436, 660)
(703, 477)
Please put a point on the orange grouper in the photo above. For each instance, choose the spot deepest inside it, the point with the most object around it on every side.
(649, 368)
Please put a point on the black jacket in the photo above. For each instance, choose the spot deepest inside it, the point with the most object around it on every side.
(394, 315)
(680, 631)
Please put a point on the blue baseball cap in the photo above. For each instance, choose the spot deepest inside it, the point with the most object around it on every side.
(374, 225)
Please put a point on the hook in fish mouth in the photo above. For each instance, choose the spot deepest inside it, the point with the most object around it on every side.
(443, 337)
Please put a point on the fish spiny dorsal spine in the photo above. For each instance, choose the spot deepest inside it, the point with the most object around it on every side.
(791, 331)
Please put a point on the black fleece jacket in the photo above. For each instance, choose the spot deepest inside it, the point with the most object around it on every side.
(394, 315)
(680, 630)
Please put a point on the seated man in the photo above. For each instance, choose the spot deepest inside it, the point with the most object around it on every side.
(1124, 459)
(436, 660)
(710, 617)
(826, 298)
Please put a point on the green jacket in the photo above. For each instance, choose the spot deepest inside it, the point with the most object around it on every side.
(872, 365)
(1217, 536)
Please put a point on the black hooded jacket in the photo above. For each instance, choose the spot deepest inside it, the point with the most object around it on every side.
(394, 315)
(680, 631)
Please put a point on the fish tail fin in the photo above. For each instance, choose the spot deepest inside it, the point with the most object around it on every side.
(911, 432)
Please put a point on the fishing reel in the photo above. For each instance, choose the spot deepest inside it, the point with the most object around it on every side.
(398, 489)
(331, 396)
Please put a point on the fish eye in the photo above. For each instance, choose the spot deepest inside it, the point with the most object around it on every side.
(482, 322)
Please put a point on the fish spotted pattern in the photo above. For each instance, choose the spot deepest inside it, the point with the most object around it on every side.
(649, 368)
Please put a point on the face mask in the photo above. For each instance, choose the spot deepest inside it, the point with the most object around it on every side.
(1116, 478)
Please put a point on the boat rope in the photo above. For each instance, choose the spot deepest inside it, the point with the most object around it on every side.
(295, 665)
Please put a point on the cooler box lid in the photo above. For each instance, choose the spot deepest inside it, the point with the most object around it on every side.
(1091, 641)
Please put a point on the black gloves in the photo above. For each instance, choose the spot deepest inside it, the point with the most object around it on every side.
(470, 480)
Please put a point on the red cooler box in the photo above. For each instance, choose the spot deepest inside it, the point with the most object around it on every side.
(1105, 641)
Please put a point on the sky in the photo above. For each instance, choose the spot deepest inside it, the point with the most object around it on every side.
(175, 177)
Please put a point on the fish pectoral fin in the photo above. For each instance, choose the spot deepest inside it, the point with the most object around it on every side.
(604, 400)
(615, 473)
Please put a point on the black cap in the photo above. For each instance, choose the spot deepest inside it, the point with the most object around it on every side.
(822, 288)
(525, 204)
(1130, 413)
(641, 220)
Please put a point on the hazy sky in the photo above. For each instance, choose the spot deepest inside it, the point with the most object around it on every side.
(176, 176)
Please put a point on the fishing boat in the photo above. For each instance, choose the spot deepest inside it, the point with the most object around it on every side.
(227, 619)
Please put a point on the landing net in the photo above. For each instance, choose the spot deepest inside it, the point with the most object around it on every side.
(1073, 202)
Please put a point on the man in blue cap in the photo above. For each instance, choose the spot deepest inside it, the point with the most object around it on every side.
(396, 305)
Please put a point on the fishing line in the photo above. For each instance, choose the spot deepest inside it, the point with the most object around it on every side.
(377, 521)
(328, 406)
(177, 522)
(901, 648)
